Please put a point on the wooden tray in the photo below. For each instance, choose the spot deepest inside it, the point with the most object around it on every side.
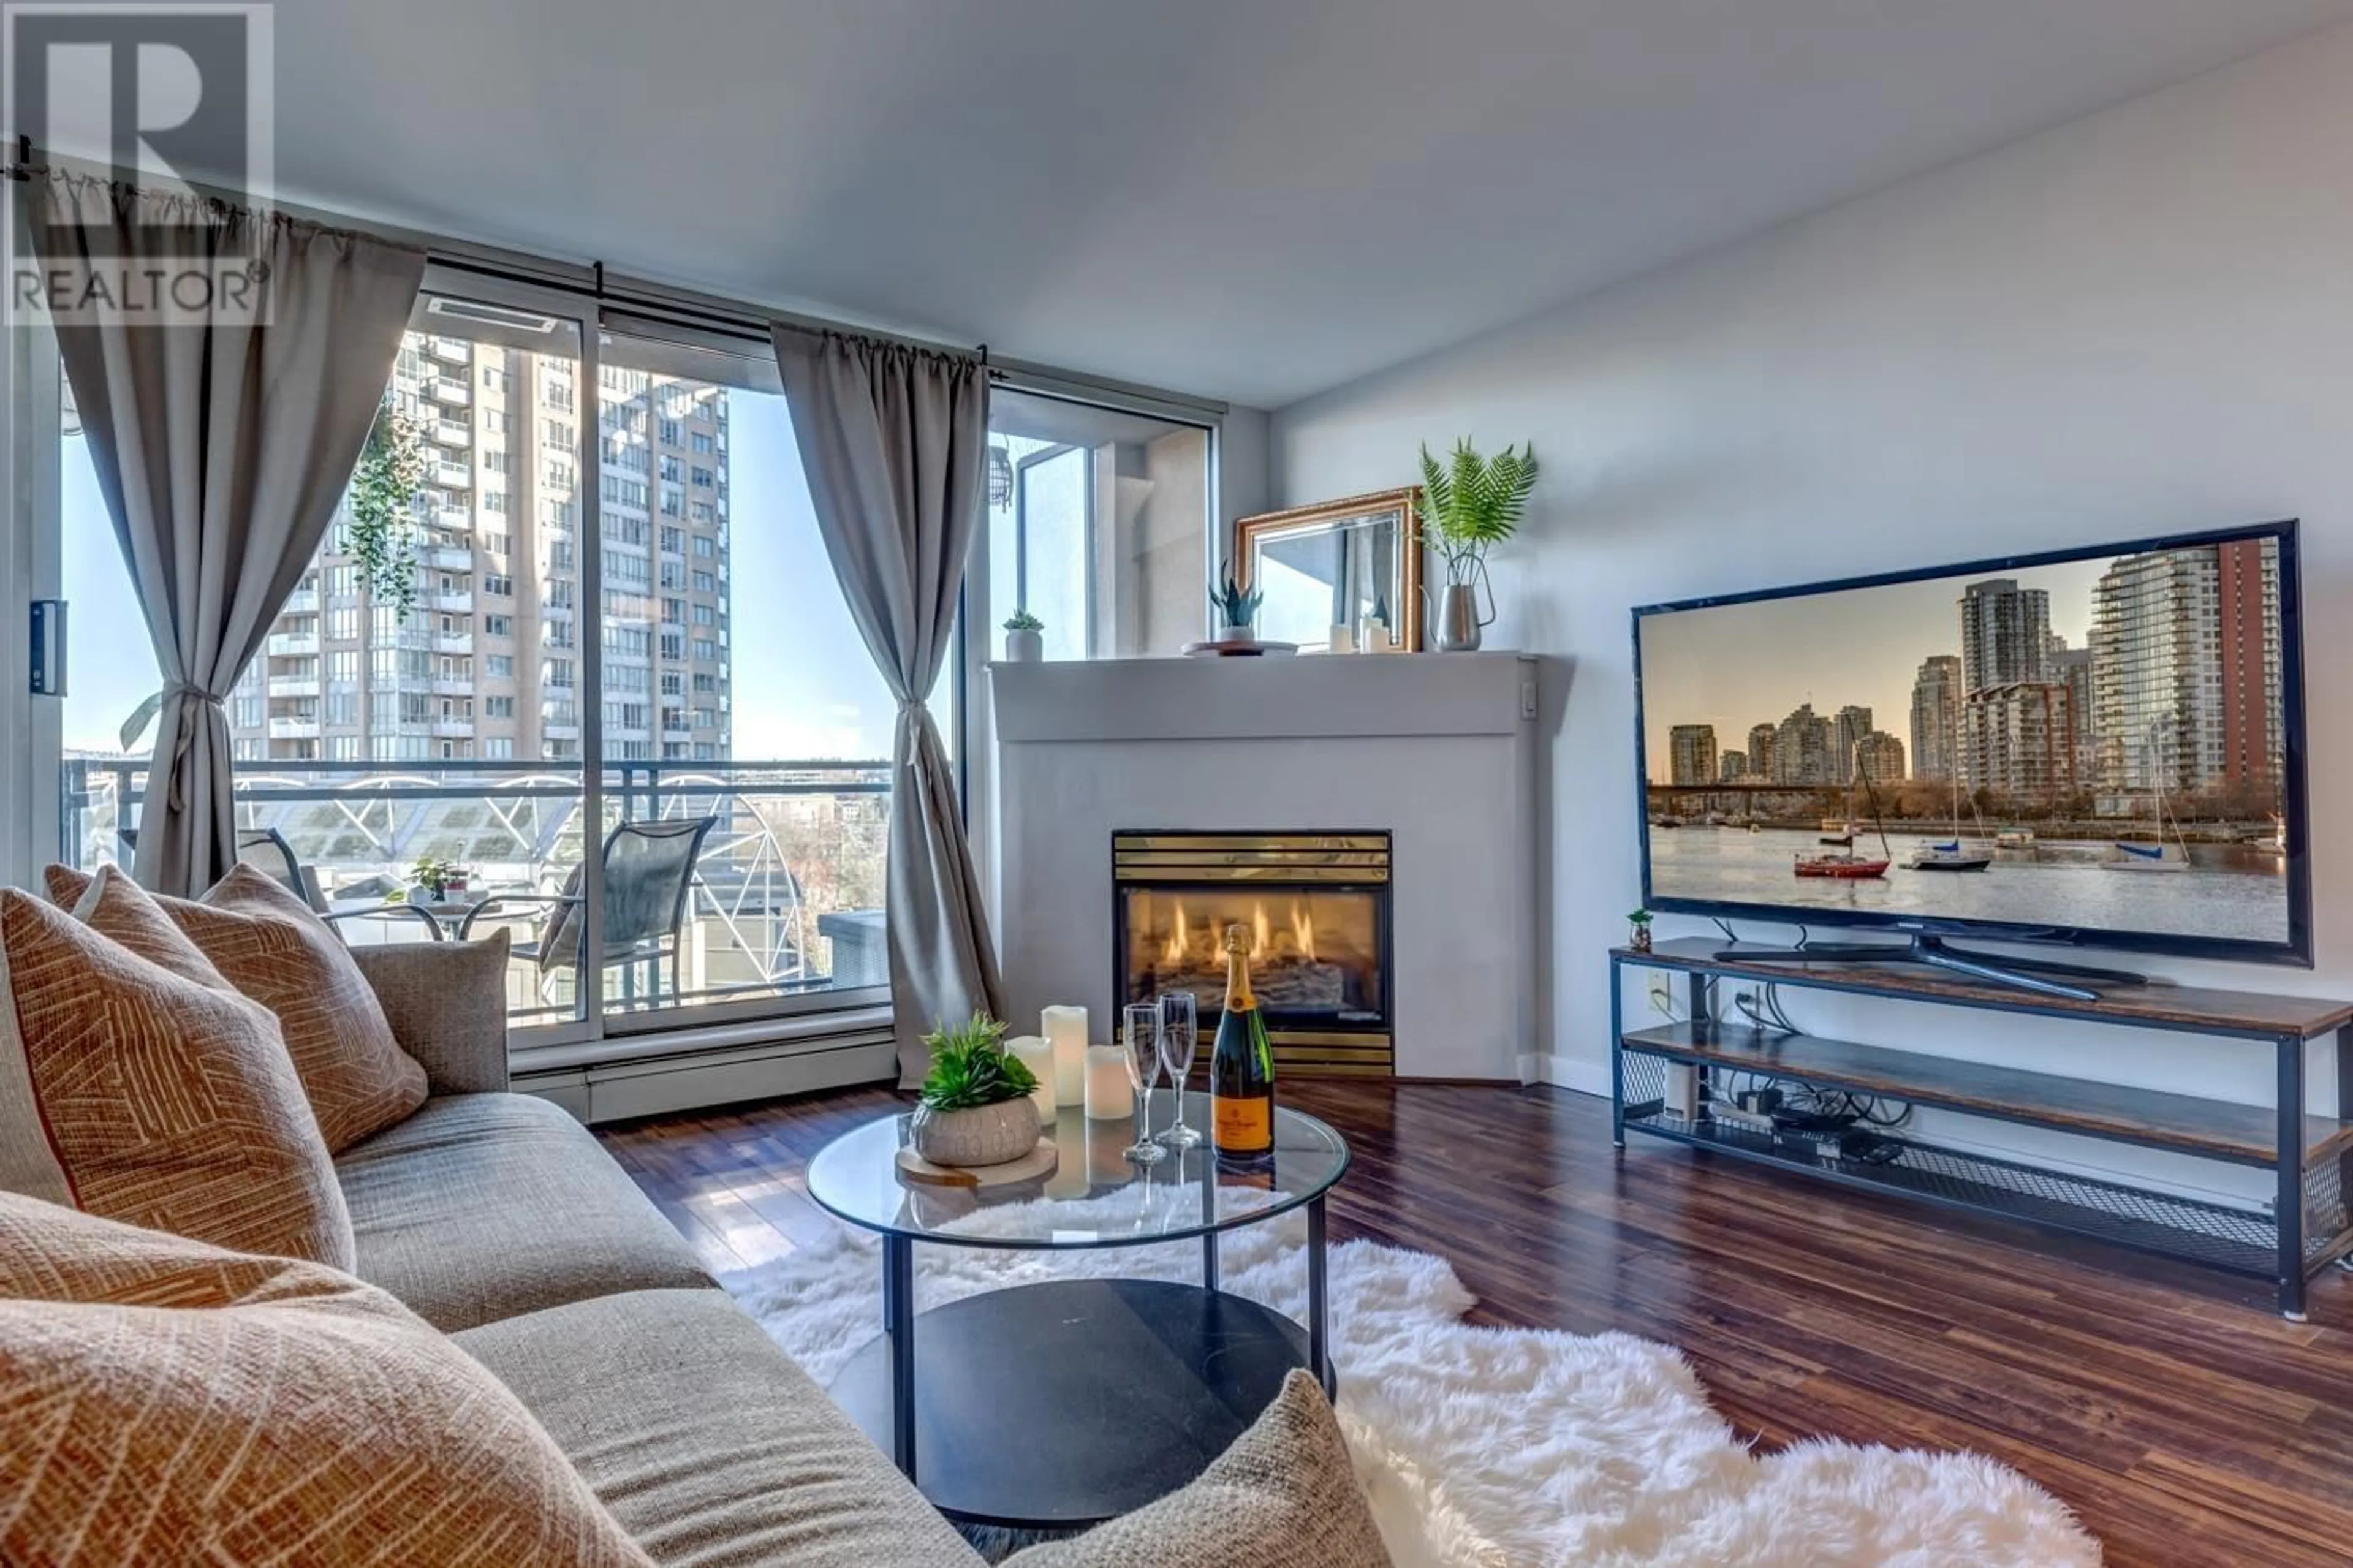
(1238, 648)
(1039, 1162)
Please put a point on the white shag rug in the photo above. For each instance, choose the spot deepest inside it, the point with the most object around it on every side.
(1496, 1447)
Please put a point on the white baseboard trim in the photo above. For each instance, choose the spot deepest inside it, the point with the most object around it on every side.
(1571, 1073)
(619, 1091)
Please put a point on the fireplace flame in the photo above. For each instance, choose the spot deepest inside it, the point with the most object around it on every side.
(1178, 939)
(1184, 942)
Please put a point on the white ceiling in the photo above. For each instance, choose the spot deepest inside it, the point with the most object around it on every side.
(1252, 199)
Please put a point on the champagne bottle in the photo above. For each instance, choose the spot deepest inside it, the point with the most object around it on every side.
(1242, 1066)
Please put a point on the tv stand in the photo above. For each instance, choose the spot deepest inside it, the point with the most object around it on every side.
(1677, 1079)
(2042, 975)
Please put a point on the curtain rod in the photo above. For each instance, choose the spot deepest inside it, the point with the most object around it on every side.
(671, 301)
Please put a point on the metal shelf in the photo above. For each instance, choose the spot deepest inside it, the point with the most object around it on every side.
(2241, 1240)
(2305, 1226)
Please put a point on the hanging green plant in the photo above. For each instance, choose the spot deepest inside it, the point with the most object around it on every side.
(385, 483)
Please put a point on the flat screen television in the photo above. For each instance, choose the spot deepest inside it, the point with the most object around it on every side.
(2102, 747)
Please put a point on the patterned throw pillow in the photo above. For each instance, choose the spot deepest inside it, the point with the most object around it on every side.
(148, 1096)
(1284, 1495)
(114, 905)
(65, 886)
(251, 935)
(274, 948)
(169, 1402)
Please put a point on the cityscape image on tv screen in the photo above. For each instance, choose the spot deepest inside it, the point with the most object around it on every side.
(2100, 744)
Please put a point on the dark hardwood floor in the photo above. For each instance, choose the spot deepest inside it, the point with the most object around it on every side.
(2182, 1421)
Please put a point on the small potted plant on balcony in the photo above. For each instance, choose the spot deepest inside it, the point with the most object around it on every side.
(1237, 607)
(433, 881)
(975, 1107)
(1024, 641)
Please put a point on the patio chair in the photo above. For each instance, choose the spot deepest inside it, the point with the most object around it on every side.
(648, 870)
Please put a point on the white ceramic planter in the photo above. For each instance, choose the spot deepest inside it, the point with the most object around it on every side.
(1236, 633)
(979, 1135)
(1024, 647)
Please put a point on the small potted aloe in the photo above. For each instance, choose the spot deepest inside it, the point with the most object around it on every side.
(1024, 640)
(1237, 607)
(975, 1107)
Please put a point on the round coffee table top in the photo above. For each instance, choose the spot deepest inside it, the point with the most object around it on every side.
(1189, 1194)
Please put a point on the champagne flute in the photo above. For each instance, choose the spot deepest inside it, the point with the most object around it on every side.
(1140, 1032)
(1180, 1038)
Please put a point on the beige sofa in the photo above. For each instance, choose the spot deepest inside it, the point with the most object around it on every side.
(501, 1221)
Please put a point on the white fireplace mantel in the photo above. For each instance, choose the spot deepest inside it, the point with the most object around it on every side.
(1438, 749)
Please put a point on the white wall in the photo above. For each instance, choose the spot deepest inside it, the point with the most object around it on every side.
(2136, 323)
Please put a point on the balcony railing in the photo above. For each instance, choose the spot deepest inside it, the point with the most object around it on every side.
(787, 898)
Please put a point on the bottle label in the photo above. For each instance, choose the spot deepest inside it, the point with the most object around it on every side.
(1242, 1124)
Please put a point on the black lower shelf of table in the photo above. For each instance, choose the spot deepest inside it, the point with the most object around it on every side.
(1059, 1405)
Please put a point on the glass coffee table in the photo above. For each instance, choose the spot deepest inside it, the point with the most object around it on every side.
(1059, 1405)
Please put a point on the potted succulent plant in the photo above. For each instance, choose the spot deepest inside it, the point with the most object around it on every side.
(1237, 607)
(975, 1107)
(1024, 643)
(1639, 930)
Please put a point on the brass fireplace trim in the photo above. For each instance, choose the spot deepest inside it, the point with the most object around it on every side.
(1362, 859)
(1144, 859)
(1314, 1054)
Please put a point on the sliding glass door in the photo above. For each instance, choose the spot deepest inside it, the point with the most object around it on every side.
(573, 639)
(746, 732)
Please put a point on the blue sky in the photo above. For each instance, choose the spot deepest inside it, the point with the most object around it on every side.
(805, 686)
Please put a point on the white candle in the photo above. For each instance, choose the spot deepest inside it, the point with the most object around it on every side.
(1066, 1036)
(1110, 1096)
(1032, 1052)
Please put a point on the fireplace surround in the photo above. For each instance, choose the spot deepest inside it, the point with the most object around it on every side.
(1318, 908)
(1438, 751)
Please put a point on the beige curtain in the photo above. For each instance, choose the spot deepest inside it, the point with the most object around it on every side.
(222, 445)
(891, 438)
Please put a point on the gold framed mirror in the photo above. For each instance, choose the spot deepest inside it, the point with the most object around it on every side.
(1341, 576)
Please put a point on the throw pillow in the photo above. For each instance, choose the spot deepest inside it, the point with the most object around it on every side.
(114, 905)
(144, 1096)
(65, 886)
(274, 948)
(169, 1402)
(1284, 1495)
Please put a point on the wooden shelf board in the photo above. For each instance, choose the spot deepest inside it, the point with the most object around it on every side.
(2193, 1008)
(2218, 1128)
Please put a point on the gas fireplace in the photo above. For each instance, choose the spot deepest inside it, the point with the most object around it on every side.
(1317, 907)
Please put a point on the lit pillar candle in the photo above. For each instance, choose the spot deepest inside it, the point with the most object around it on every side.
(1110, 1096)
(1032, 1052)
(1066, 1036)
